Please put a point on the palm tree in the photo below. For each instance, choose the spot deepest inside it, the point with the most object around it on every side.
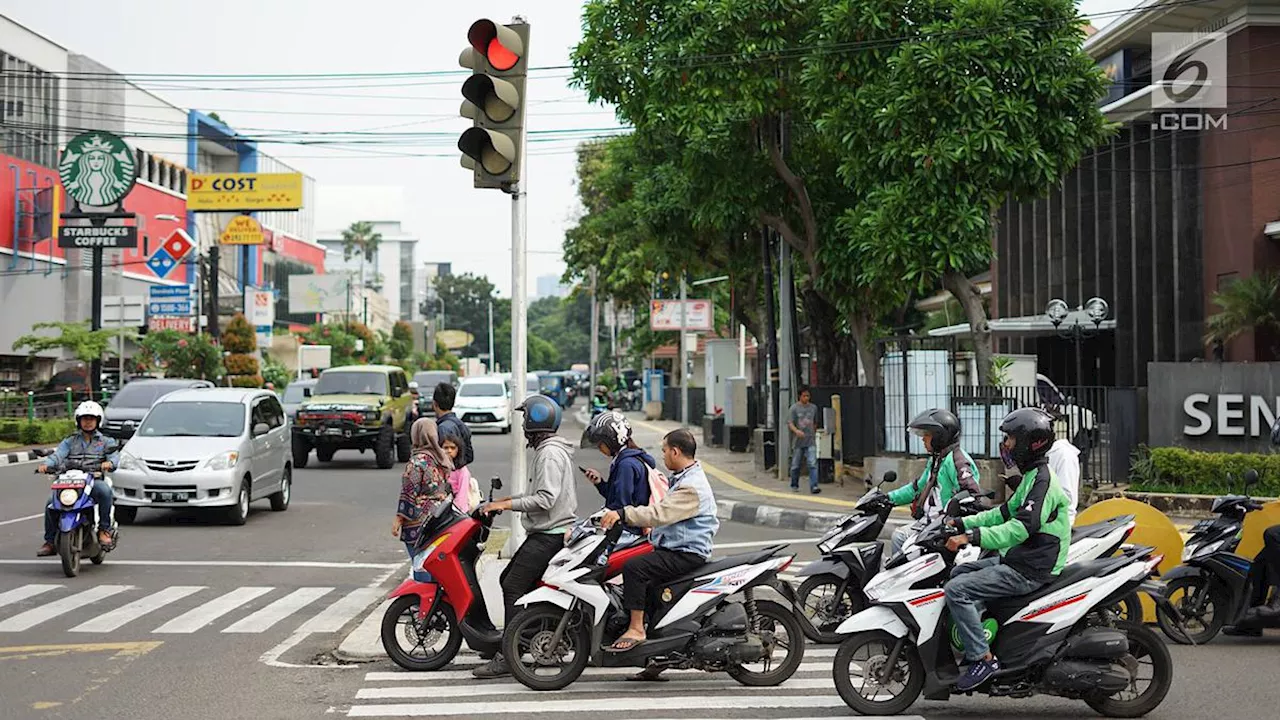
(360, 237)
(1250, 303)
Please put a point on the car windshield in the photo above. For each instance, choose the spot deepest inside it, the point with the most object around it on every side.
(142, 395)
(351, 383)
(194, 419)
(550, 382)
(481, 390)
(294, 395)
(432, 379)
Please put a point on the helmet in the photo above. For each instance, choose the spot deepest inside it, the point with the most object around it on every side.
(610, 429)
(941, 424)
(541, 414)
(1031, 429)
(89, 408)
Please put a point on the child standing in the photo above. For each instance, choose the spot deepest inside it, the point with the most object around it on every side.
(463, 485)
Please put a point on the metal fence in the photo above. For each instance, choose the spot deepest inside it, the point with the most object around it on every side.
(44, 406)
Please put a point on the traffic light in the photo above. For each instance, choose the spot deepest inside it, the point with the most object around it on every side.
(498, 58)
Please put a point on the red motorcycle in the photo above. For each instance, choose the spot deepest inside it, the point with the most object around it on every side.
(420, 629)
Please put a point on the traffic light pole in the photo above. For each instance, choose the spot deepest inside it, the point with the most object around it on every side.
(519, 364)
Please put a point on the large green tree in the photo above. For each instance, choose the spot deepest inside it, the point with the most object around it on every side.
(465, 302)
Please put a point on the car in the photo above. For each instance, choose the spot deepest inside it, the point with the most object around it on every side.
(428, 379)
(484, 403)
(124, 411)
(355, 407)
(220, 448)
(294, 395)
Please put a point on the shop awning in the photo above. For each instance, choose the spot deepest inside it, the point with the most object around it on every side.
(1026, 325)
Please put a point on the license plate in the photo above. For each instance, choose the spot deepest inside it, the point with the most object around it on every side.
(169, 496)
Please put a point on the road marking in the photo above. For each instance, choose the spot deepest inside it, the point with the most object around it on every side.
(278, 610)
(24, 592)
(193, 620)
(35, 616)
(122, 649)
(765, 543)
(271, 658)
(591, 672)
(401, 692)
(120, 616)
(601, 705)
(336, 616)
(22, 519)
(230, 563)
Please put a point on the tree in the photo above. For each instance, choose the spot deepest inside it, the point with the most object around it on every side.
(465, 300)
(76, 337)
(1247, 304)
(180, 355)
(341, 338)
(361, 238)
(400, 345)
(944, 112)
(239, 341)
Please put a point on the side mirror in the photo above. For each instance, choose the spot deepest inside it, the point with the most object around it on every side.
(495, 483)
(261, 429)
(889, 477)
(1250, 478)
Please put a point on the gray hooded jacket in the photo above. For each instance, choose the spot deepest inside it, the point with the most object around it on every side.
(551, 504)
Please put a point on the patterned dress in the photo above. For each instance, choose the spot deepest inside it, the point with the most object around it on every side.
(423, 481)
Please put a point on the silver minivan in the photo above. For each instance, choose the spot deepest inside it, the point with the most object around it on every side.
(209, 448)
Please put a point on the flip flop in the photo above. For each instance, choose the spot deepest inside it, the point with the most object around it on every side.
(644, 676)
(625, 644)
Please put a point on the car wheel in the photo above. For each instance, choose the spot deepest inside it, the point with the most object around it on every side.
(280, 499)
(301, 451)
(237, 514)
(324, 453)
(125, 515)
(384, 450)
(403, 448)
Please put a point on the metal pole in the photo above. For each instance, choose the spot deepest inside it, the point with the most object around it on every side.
(519, 364)
(684, 352)
(786, 356)
(212, 272)
(595, 339)
(95, 316)
(770, 410)
(492, 363)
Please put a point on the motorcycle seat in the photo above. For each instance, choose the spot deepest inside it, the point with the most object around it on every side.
(714, 565)
(1102, 529)
(1071, 574)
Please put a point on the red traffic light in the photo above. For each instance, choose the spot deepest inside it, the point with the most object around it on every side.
(499, 45)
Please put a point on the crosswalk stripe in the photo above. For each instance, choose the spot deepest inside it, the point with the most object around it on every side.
(193, 620)
(48, 611)
(591, 672)
(600, 705)
(278, 610)
(402, 692)
(120, 616)
(17, 595)
(336, 616)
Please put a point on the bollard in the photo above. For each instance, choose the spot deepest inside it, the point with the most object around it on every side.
(31, 406)
(70, 403)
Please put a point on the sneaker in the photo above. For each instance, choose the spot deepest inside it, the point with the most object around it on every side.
(495, 668)
(46, 550)
(978, 673)
(815, 491)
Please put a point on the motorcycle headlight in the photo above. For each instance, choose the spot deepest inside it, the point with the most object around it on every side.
(224, 461)
(68, 496)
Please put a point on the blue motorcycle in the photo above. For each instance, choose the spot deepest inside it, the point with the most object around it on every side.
(77, 512)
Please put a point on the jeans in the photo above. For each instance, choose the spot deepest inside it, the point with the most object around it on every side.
(101, 494)
(810, 455)
(901, 535)
(419, 575)
(970, 586)
(526, 568)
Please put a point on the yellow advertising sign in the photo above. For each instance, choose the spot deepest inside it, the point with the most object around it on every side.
(240, 192)
(455, 339)
(243, 230)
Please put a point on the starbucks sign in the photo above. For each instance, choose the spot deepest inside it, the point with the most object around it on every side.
(97, 169)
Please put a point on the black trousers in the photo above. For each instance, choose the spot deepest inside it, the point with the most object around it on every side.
(526, 569)
(647, 570)
(1266, 566)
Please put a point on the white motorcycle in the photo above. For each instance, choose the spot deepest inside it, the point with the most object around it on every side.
(1061, 639)
(709, 619)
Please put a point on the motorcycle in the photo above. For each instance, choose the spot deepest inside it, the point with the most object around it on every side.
(1214, 582)
(425, 612)
(77, 515)
(1061, 639)
(707, 620)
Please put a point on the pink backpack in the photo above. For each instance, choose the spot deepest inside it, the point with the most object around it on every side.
(658, 486)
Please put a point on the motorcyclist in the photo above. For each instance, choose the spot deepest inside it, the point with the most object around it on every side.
(1263, 576)
(548, 509)
(948, 471)
(88, 449)
(1031, 530)
(628, 482)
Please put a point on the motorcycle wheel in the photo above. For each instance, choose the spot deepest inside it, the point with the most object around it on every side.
(1129, 609)
(68, 552)
(403, 613)
(819, 611)
(775, 617)
(530, 634)
(1144, 645)
(1198, 630)
(877, 644)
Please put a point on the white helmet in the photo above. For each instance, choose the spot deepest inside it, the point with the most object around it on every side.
(89, 408)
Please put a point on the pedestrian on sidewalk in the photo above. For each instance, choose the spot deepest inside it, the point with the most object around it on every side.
(628, 483)
(423, 484)
(1064, 462)
(442, 399)
(948, 471)
(803, 424)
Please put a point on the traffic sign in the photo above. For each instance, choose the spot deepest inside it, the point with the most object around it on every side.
(161, 262)
(171, 322)
(170, 291)
(181, 307)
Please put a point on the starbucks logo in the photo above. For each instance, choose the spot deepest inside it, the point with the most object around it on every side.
(97, 169)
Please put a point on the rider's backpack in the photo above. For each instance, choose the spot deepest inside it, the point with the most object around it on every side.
(658, 486)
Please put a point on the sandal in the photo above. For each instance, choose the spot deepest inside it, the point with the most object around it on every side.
(623, 644)
(648, 675)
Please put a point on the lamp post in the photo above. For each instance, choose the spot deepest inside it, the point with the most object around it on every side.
(1057, 311)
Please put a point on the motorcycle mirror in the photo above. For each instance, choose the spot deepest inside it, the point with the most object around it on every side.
(1250, 477)
(889, 477)
(495, 483)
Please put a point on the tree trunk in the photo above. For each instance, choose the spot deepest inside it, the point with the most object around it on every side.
(860, 325)
(970, 298)
(836, 352)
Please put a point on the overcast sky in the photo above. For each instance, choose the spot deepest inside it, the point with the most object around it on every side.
(458, 224)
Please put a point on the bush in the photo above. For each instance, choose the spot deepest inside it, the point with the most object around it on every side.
(239, 336)
(246, 381)
(38, 432)
(239, 364)
(1179, 470)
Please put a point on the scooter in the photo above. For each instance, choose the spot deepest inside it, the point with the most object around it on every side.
(77, 514)
(1059, 640)
(426, 612)
(1215, 583)
(707, 620)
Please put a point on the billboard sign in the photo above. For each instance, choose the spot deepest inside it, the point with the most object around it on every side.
(665, 315)
(319, 293)
(243, 192)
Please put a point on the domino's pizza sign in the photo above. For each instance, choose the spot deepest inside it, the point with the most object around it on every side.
(170, 253)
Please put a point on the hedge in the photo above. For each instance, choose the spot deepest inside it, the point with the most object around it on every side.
(38, 432)
(1171, 469)
(246, 381)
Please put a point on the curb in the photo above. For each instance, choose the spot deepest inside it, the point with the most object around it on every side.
(24, 456)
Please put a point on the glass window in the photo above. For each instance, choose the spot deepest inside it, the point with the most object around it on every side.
(194, 419)
(142, 395)
(274, 412)
(481, 390)
(351, 383)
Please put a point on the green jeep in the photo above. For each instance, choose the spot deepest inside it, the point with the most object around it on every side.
(355, 407)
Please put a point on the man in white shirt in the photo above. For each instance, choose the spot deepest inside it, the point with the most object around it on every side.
(1064, 461)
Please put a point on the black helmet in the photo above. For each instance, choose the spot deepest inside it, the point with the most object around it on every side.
(1032, 431)
(541, 414)
(610, 429)
(941, 424)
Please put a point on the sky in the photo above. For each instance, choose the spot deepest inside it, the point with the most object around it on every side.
(457, 223)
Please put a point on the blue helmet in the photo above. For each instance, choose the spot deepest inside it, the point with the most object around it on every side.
(541, 414)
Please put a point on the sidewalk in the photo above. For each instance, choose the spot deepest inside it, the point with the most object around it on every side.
(13, 456)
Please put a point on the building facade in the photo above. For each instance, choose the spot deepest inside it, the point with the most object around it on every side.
(550, 286)
(391, 272)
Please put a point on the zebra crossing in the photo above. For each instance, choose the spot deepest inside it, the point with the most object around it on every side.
(181, 609)
(453, 692)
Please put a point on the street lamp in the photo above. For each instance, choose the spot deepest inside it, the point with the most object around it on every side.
(1057, 311)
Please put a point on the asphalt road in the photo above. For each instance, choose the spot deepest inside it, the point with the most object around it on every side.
(192, 618)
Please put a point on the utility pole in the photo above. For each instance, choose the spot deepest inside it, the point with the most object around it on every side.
(613, 336)
(595, 338)
(95, 317)
(769, 411)
(211, 277)
(492, 359)
(684, 352)
(786, 308)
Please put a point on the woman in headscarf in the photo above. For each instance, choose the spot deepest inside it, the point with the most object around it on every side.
(424, 483)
